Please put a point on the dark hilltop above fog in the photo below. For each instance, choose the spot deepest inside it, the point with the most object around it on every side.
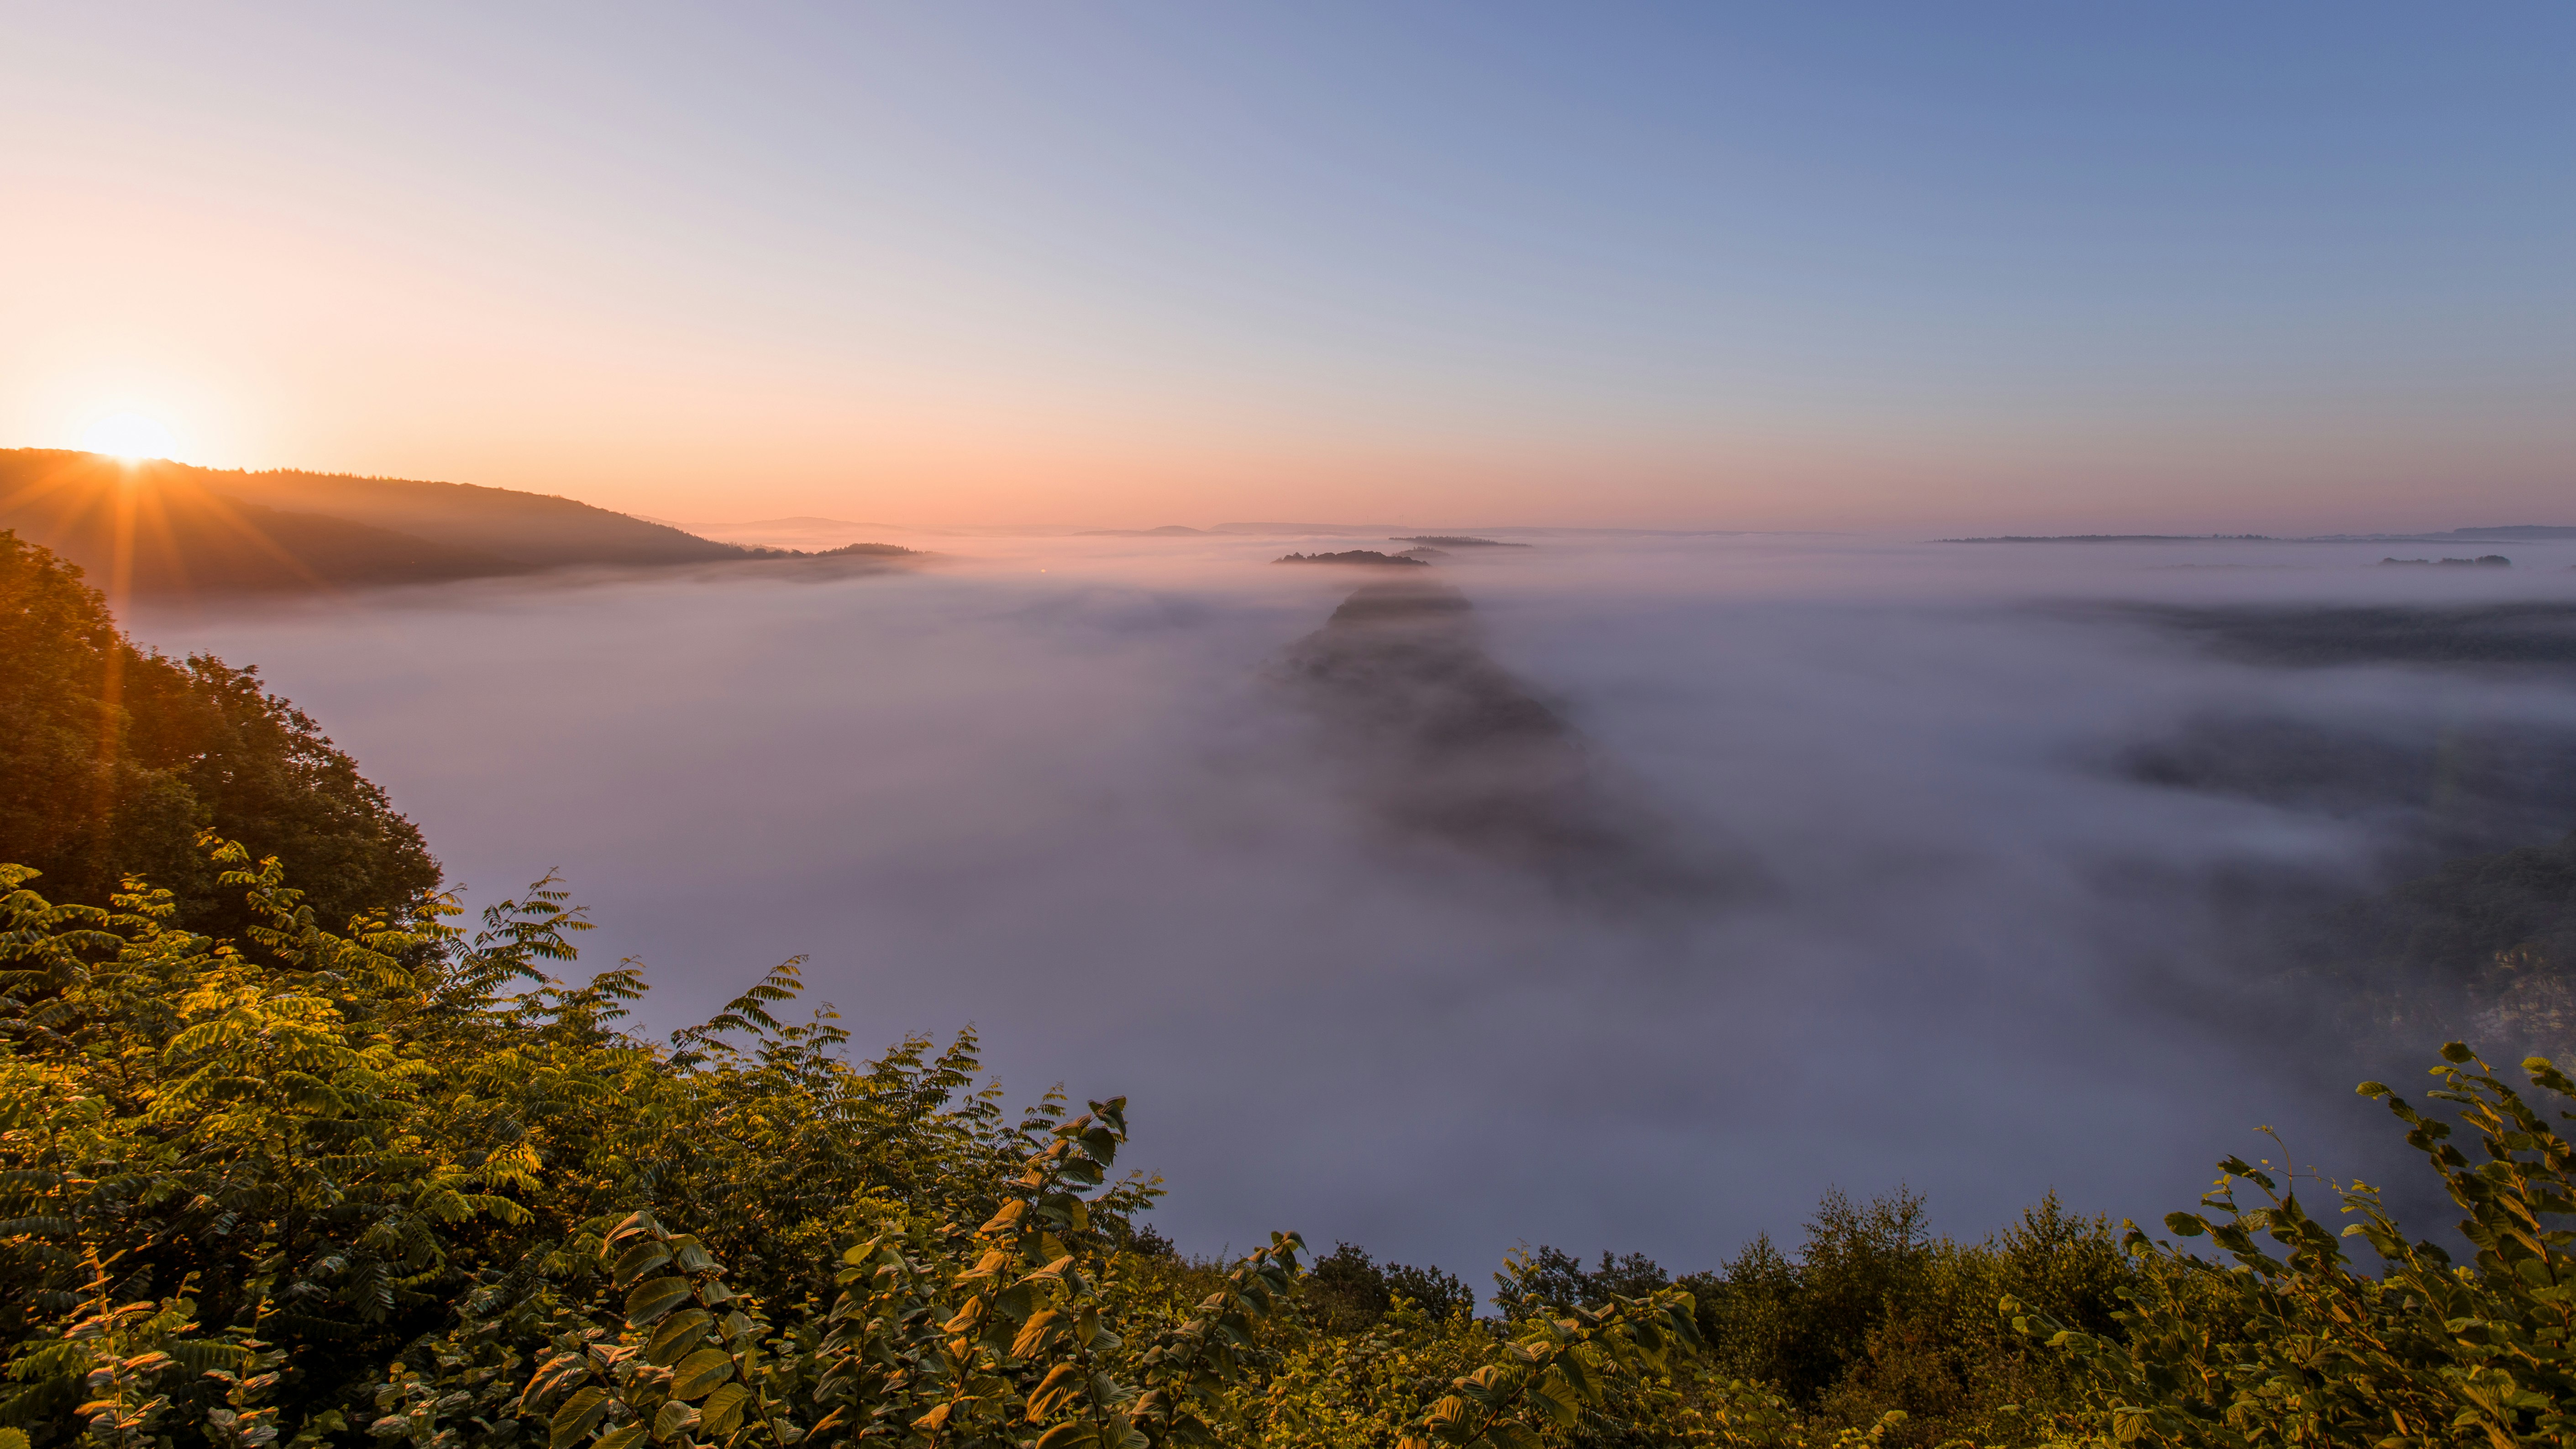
(1366, 557)
(192, 530)
(1444, 745)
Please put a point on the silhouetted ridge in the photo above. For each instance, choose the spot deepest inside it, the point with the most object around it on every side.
(169, 535)
(532, 528)
(169, 528)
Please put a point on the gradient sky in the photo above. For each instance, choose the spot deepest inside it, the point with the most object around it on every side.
(2028, 266)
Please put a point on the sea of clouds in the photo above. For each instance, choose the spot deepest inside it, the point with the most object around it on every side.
(1055, 788)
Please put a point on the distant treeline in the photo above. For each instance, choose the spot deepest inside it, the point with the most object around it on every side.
(1364, 556)
(290, 1157)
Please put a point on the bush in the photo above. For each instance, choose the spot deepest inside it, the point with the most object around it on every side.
(1351, 1291)
(403, 1185)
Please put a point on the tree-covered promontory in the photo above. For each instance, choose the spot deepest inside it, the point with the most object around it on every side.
(113, 758)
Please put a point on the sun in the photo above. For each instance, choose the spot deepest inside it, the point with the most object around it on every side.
(130, 436)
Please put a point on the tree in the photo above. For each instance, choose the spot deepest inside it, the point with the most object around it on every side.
(113, 758)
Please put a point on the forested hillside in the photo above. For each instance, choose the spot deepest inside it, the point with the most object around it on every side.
(156, 527)
(290, 1155)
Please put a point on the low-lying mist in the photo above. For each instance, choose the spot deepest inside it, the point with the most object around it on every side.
(1711, 872)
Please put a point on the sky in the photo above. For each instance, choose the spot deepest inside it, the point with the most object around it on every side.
(1978, 266)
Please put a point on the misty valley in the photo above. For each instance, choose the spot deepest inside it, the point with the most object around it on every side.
(1772, 951)
(1320, 726)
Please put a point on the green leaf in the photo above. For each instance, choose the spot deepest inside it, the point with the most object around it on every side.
(1054, 1391)
(1069, 1435)
(653, 1298)
(1036, 1332)
(624, 1436)
(675, 1416)
(633, 1262)
(1557, 1398)
(700, 1372)
(577, 1417)
(678, 1334)
(723, 1409)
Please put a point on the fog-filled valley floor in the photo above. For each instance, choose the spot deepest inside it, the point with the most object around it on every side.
(1621, 892)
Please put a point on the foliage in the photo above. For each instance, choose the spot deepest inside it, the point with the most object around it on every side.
(112, 758)
(1350, 1290)
(1876, 1316)
(1624, 1372)
(1534, 1281)
(402, 1185)
(2288, 1342)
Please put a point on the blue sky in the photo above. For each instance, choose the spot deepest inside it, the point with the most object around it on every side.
(2008, 263)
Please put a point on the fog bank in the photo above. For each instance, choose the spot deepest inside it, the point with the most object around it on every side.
(1824, 860)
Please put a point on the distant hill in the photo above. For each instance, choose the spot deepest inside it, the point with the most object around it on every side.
(1364, 556)
(531, 528)
(182, 536)
(189, 529)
